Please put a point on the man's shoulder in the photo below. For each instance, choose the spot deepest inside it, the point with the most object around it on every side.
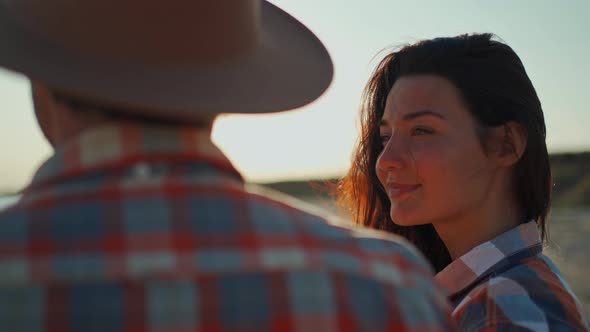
(249, 244)
(323, 218)
(331, 229)
(229, 228)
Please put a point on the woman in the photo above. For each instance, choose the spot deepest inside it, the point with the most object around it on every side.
(452, 156)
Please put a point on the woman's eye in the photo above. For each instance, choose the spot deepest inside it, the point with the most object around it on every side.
(384, 139)
(421, 131)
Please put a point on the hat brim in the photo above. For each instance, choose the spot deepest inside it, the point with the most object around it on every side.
(288, 68)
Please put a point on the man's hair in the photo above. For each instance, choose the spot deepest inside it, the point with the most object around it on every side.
(77, 104)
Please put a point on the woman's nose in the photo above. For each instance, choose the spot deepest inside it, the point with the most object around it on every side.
(394, 154)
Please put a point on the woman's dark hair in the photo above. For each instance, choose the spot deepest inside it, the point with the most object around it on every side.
(496, 90)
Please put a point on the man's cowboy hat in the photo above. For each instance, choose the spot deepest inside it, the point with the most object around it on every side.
(185, 57)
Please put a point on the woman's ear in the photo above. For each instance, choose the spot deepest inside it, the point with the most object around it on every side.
(512, 140)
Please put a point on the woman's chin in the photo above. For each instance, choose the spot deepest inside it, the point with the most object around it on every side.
(406, 219)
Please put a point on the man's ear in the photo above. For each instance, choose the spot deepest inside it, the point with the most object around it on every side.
(43, 104)
(512, 140)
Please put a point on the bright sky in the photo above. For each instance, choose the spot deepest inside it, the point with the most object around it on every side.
(551, 37)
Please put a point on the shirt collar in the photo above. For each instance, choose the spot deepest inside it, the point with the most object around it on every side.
(488, 256)
(112, 146)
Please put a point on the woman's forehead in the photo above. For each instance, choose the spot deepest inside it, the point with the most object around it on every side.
(419, 93)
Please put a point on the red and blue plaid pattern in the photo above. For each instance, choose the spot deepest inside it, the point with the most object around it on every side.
(152, 229)
(507, 284)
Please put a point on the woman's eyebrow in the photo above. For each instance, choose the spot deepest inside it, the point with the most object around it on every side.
(414, 115)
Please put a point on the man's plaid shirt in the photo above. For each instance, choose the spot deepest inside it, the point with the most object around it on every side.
(152, 229)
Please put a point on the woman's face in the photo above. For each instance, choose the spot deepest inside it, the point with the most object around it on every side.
(432, 166)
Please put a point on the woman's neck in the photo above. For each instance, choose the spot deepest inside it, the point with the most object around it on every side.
(463, 232)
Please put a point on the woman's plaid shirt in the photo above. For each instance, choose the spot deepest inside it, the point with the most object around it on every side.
(507, 284)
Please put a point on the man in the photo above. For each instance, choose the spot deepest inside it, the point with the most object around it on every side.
(138, 222)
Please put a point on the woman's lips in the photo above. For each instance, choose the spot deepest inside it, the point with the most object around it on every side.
(397, 191)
